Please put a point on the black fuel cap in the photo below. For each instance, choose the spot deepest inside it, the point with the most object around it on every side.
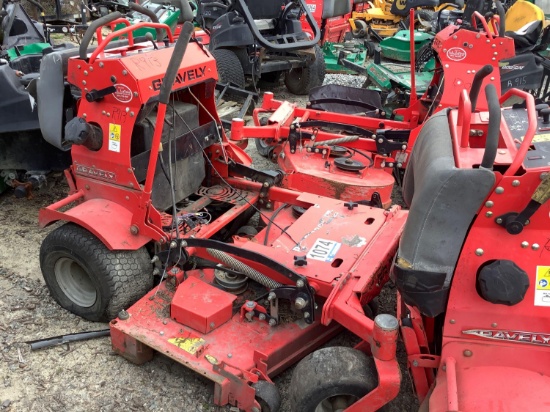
(503, 282)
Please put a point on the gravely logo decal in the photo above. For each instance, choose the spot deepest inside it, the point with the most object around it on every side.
(123, 93)
(532, 338)
(92, 171)
(183, 77)
(456, 54)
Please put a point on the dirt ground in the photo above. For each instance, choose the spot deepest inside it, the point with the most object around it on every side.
(87, 376)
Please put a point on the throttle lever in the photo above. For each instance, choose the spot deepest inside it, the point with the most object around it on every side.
(95, 95)
(515, 222)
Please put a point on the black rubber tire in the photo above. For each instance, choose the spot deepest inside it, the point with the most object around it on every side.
(106, 281)
(424, 54)
(230, 69)
(331, 372)
(426, 15)
(300, 81)
(268, 396)
(262, 147)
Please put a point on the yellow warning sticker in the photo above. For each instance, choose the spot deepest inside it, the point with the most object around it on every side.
(189, 345)
(542, 286)
(114, 137)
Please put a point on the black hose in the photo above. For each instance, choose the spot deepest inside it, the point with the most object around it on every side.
(493, 130)
(149, 13)
(88, 36)
(502, 15)
(175, 61)
(273, 216)
(476, 84)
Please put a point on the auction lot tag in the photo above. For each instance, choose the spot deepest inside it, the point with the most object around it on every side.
(114, 137)
(324, 250)
(542, 287)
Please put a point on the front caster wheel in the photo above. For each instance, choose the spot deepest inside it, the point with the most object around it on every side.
(331, 379)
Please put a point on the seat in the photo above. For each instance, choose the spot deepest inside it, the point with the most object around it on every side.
(522, 13)
(335, 8)
(443, 201)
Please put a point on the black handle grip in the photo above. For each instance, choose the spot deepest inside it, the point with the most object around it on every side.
(88, 36)
(476, 84)
(186, 11)
(149, 13)
(502, 14)
(175, 61)
(493, 130)
(95, 95)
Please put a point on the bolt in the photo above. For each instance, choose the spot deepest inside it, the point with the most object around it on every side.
(84, 82)
(134, 230)
(489, 214)
(136, 94)
(123, 315)
(87, 187)
(85, 73)
(515, 183)
(300, 283)
(261, 316)
(268, 205)
(499, 220)
(479, 252)
(468, 353)
(380, 140)
(161, 333)
(165, 322)
(124, 72)
(212, 325)
(300, 303)
(266, 184)
(494, 325)
(173, 244)
(489, 203)
(272, 322)
(306, 315)
(415, 363)
(535, 246)
(499, 190)
(524, 244)
(101, 65)
(452, 321)
(403, 147)
(249, 304)
(271, 296)
(131, 114)
(229, 355)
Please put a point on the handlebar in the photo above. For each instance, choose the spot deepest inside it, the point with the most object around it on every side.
(282, 47)
(494, 20)
(95, 25)
(149, 13)
(476, 84)
(129, 29)
(493, 129)
(528, 138)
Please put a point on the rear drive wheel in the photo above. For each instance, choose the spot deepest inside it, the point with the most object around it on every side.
(87, 278)
(331, 379)
(230, 69)
(301, 80)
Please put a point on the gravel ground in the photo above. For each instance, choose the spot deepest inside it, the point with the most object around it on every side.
(87, 376)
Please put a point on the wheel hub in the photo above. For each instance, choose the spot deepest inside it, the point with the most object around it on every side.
(75, 282)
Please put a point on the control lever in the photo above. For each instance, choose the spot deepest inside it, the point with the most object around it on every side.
(515, 222)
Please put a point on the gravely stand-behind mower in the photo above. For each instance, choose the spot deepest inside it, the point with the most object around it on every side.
(472, 269)
(158, 195)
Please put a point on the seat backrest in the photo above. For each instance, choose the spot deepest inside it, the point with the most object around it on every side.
(265, 9)
(443, 202)
(335, 8)
(522, 13)
(50, 92)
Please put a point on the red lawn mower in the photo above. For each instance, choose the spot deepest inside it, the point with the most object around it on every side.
(473, 311)
(166, 236)
(344, 146)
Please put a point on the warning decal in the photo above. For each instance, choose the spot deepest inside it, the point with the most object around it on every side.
(542, 286)
(114, 137)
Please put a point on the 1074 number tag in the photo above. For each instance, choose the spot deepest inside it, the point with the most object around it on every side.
(324, 250)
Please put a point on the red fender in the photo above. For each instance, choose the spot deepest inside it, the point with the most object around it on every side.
(107, 220)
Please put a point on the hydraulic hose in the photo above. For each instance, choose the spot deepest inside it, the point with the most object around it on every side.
(493, 129)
